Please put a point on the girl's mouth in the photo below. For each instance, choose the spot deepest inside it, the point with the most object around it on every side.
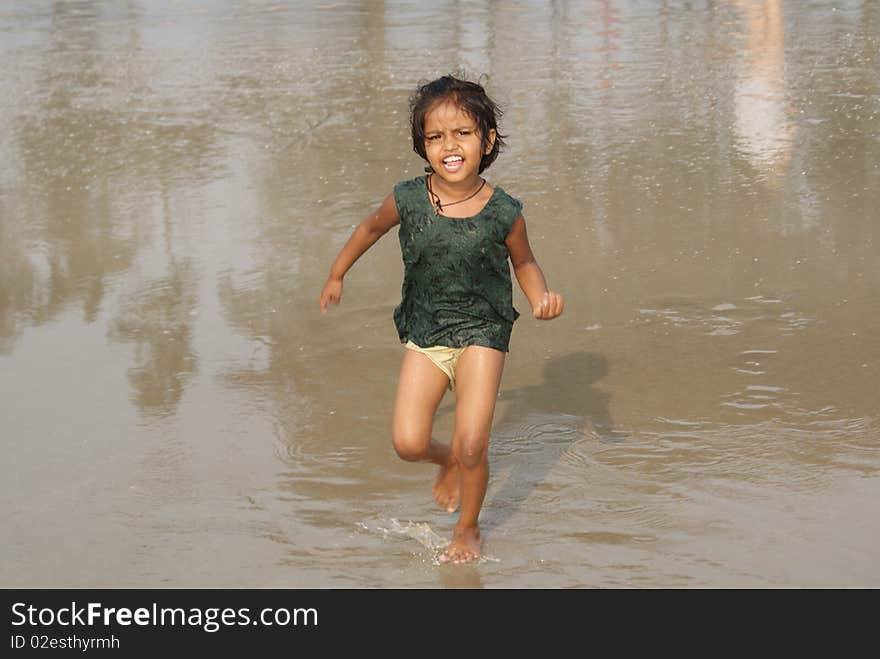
(452, 163)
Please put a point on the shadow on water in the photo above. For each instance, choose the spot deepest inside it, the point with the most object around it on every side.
(543, 421)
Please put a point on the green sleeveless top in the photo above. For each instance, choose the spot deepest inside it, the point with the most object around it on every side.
(456, 283)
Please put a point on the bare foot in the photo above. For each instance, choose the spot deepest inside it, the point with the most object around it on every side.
(465, 546)
(447, 491)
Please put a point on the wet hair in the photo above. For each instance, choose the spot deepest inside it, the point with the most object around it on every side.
(473, 101)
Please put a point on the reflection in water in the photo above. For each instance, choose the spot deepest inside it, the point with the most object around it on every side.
(158, 320)
(66, 203)
(82, 149)
(17, 282)
(699, 177)
(607, 30)
(764, 129)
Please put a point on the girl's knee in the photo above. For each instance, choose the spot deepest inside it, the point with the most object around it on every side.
(471, 450)
(410, 447)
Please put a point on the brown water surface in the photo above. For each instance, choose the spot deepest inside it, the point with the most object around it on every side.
(701, 180)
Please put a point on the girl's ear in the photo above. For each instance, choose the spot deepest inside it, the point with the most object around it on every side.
(490, 143)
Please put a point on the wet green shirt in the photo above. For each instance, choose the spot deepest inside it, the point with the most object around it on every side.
(456, 285)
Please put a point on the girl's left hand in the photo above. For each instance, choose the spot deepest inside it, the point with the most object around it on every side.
(549, 307)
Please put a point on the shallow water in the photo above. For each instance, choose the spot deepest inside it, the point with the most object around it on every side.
(700, 180)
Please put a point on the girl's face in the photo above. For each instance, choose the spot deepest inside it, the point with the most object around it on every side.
(453, 144)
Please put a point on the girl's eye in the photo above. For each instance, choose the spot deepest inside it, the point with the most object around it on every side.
(464, 132)
(433, 137)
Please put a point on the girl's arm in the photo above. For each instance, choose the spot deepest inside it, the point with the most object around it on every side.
(364, 236)
(546, 304)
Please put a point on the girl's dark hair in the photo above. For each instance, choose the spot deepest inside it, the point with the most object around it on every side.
(471, 98)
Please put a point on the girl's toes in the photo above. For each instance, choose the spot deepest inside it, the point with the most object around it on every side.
(449, 555)
(465, 557)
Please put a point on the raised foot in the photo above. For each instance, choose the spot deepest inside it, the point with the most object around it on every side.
(446, 490)
(464, 548)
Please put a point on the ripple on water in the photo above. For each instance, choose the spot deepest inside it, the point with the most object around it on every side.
(790, 451)
(699, 483)
(753, 362)
(724, 318)
(687, 423)
(537, 434)
(760, 299)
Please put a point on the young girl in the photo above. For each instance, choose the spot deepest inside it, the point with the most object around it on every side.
(456, 233)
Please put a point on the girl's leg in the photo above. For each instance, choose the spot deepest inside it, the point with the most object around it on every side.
(477, 379)
(420, 389)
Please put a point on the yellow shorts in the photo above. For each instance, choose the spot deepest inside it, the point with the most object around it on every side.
(445, 358)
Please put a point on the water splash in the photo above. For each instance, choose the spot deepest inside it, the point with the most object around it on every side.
(421, 532)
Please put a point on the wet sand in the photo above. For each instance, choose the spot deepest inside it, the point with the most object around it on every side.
(700, 179)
